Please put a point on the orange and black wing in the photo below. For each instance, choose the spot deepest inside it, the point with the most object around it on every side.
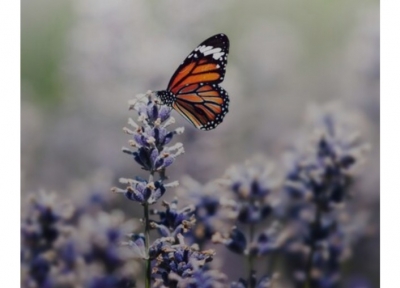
(204, 105)
(198, 97)
(206, 64)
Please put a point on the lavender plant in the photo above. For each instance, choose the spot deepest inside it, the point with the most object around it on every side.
(169, 261)
(207, 209)
(252, 209)
(319, 182)
(62, 246)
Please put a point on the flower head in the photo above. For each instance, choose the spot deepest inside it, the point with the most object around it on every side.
(42, 227)
(143, 191)
(174, 262)
(265, 241)
(173, 221)
(321, 169)
(207, 208)
(151, 136)
(251, 185)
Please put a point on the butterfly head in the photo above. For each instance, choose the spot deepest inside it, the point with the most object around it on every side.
(166, 97)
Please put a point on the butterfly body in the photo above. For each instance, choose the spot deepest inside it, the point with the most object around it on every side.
(194, 90)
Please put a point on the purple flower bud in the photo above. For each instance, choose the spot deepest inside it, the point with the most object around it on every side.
(164, 113)
(153, 156)
(140, 139)
(237, 241)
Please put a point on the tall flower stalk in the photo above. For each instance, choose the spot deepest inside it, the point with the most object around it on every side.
(169, 261)
(147, 244)
(251, 204)
(319, 183)
(149, 148)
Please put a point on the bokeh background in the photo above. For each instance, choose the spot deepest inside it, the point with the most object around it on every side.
(83, 60)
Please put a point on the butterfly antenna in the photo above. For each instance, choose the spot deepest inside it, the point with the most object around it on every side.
(139, 98)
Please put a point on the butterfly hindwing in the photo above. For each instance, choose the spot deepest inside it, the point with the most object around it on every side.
(204, 105)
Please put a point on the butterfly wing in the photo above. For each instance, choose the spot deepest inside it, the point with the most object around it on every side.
(206, 64)
(204, 105)
(199, 98)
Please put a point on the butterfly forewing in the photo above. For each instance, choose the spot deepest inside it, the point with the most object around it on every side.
(205, 64)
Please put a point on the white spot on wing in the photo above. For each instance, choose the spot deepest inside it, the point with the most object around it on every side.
(205, 48)
(213, 51)
(217, 56)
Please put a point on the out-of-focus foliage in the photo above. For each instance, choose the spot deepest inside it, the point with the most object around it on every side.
(43, 47)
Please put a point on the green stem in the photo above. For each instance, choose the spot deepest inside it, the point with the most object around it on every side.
(147, 245)
(309, 265)
(250, 257)
(272, 261)
(147, 240)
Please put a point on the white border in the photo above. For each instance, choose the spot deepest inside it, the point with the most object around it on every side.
(390, 143)
(10, 142)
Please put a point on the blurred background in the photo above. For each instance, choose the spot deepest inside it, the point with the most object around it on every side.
(83, 60)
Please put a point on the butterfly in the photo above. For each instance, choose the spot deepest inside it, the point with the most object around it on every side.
(193, 90)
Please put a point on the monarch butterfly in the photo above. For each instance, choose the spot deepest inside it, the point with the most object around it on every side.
(193, 90)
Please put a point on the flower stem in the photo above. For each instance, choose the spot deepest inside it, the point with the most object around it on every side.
(147, 245)
(315, 226)
(147, 240)
(250, 256)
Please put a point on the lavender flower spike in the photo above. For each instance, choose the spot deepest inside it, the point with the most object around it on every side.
(150, 149)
